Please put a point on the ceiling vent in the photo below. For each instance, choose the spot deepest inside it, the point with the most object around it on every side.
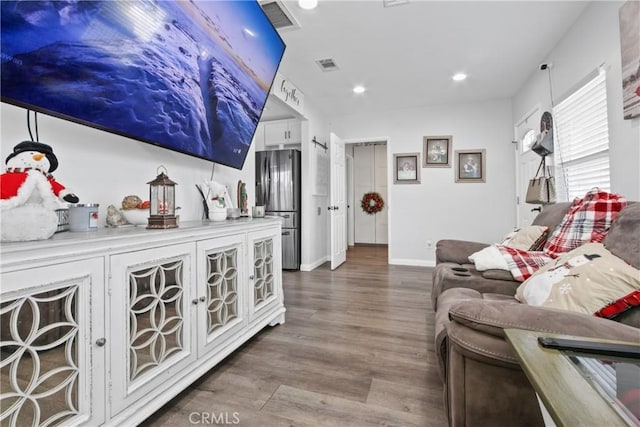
(390, 3)
(279, 15)
(327, 64)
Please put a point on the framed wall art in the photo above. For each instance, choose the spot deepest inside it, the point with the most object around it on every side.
(470, 165)
(406, 168)
(630, 53)
(436, 151)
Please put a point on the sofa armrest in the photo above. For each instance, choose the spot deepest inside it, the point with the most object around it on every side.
(476, 328)
(492, 317)
(457, 251)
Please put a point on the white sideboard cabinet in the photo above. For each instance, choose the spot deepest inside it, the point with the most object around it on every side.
(104, 328)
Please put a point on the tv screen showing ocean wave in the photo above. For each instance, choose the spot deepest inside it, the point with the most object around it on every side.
(190, 76)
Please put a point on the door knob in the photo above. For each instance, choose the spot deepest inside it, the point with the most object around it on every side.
(202, 299)
(100, 342)
(194, 301)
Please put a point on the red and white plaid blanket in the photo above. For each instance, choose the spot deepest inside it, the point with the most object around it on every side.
(522, 264)
(587, 221)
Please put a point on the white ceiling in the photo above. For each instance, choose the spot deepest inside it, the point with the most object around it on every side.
(405, 55)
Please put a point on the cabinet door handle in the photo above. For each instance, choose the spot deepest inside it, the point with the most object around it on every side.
(202, 299)
(285, 233)
(100, 342)
(194, 301)
(251, 277)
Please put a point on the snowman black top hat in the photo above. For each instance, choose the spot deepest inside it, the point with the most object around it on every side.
(35, 146)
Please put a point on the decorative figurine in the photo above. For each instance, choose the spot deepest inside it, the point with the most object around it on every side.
(242, 198)
(29, 195)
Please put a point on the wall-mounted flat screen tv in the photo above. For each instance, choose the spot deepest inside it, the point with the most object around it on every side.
(192, 76)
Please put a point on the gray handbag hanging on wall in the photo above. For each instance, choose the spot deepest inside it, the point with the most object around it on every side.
(541, 189)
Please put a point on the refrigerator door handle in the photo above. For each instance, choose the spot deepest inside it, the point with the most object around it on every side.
(267, 188)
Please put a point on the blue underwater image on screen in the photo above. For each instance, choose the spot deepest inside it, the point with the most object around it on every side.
(191, 76)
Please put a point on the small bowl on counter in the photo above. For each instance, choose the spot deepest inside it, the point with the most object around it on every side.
(136, 216)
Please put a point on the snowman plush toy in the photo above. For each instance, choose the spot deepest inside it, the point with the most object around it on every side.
(29, 195)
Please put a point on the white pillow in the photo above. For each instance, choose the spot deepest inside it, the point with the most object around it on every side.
(489, 258)
(585, 280)
(525, 238)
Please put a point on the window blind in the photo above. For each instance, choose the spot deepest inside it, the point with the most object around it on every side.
(581, 131)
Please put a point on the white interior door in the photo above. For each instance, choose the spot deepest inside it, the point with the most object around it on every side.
(527, 163)
(350, 203)
(337, 204)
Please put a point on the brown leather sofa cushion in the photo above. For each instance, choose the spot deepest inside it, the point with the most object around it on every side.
(623, 239)
(551, 215)
(498, 275)
(456, 251)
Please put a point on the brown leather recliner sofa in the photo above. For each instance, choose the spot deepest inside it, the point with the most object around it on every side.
(453, 269)
(483, 382)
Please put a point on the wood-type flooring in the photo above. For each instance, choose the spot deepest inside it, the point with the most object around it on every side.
(356, 350)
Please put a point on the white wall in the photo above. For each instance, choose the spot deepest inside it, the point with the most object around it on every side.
(438, 208)
(103, 168)
(593, 40)
(315, 221)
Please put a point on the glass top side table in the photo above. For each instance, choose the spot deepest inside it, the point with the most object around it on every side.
(579, 388)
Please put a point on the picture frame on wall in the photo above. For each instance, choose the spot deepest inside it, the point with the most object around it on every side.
(470, 165)
(630, 55)
(436, 151)
(406, 168)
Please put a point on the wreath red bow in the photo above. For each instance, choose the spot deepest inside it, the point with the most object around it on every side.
(372, 203)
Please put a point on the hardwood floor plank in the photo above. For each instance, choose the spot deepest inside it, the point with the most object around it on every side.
(401, 397)
(199, 407)
(356, 350)
(325, 410)
(251, 392)
(303, 374)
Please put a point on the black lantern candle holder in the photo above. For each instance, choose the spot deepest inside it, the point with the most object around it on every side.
(163, 201)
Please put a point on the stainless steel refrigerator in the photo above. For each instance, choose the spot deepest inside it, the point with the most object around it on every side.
(278, 190)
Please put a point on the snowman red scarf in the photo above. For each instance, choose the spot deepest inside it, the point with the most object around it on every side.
(17, 186)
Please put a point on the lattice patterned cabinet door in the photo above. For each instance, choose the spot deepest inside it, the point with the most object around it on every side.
(221, 308)
(263, 271)
(45, 368)
(266, 271)
(155, 295)
(222, 289)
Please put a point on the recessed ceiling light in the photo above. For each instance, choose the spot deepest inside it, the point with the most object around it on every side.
(359, 89)
(308, 4)
(458, 77)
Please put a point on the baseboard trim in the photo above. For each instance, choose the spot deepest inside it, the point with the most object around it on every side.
(314, 265)
(412, 262)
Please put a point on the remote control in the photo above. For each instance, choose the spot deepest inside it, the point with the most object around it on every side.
(607, 349)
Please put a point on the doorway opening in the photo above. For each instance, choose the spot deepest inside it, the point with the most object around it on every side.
(367, 172)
